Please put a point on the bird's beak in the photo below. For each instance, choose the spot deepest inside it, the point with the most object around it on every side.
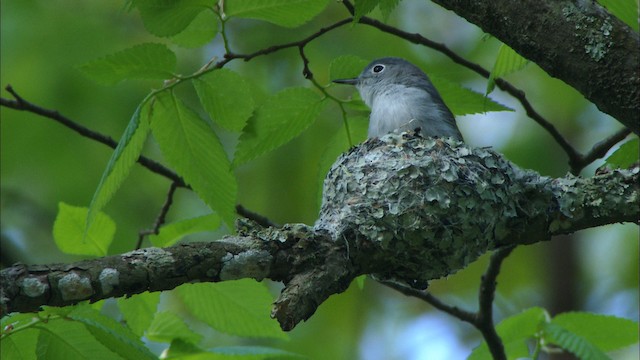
(353, 81)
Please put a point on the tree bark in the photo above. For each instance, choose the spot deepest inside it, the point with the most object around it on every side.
(578, 42)
(402, 208)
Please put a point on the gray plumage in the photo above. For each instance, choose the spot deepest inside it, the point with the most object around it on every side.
(402, 98)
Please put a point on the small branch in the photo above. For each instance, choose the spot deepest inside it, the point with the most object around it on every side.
(275, 48)
(259, 219)
(486, 294)
(464, 315)
(161, 217)
(23, 105)
(483, 319)
(598, 150)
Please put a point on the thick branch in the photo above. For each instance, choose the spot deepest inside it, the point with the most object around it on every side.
(578, 42)
(401, 207)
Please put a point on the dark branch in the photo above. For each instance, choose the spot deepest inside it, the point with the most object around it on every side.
(23, 105)
(259, 219)
(578, 42)
(161, 217)
(367, 225)
(464, 315)
(598, 150)
(300, 43)
(484, 317)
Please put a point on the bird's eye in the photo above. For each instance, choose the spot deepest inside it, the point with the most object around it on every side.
(378, 69)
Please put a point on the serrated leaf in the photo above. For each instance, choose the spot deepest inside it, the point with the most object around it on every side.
(169, 17)
(462, 101)
(145, 61)
(507, 62)
(199, 32)
(194, 150)
(626, 155)
(625, 10)
(139, 310)
(346, 67)
(239, 307)
(226, 97)
(113, 335)
(72, 236)
(287, 13)
(69, 340)
(124, 157)
(282, 117)
(19, 346)
(363, 7)
(605, 332)
(171, 233)
(514, 332)
(386, 7)
(581, 347)
(167, 326)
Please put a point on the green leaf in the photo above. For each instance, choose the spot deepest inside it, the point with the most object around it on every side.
(605, 332)
(386, 7)
(363, 7)
(111, 334)
(69, 340)
(145, 61)
(287, 13)
(169, 17)
(18, 345)
(124, 157)
(514, 332)
(201, 31)
(139, 310)
(346, 67)
(239, 307)
(282, 117)
(72, 236)
(626, 155)
(581, 347)
(463, 101)
(226, 97)
(167, 326)
(625, 10)
(507, 62)
(194, 150)
(171, 233)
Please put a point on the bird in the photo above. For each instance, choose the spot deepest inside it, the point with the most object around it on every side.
(402, 98)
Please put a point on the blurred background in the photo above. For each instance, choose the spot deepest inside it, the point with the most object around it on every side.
(44, 163)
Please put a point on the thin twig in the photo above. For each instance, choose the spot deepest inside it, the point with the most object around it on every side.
(486, 294)
(464, 315)
(598, 150)
(275, 48)
(483, 318)
(162, 216)
(259, 219)
(23, 105)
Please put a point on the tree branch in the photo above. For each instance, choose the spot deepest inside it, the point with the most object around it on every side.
(578, 42)
(23, 105)
(400, 207)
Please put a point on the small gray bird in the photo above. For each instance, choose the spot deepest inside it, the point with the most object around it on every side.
(402, 98)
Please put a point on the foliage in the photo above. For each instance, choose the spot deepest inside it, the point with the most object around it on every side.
(586, 335)
(192, 137)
